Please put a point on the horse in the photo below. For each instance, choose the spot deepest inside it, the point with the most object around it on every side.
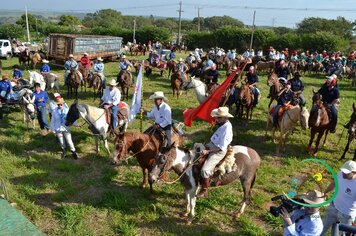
(35, 59)
(171, 66)
(27, 106)
(86, 76)
(52, 81)
(275, 87)
(176, 83)
(319, 123)
(24, 57)
(125, 82)
(265, 66)
(96, 119)
(199, 88)
(36, 77)
(73, 82)
(97, 85)
(246, 101)
(184, 161)
(351, 133)
(289, 120)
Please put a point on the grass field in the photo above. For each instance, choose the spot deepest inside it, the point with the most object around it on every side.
(91, 197)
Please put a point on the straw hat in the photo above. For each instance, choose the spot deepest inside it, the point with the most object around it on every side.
(45, 61)
(181, 60)
(60, 101)
(221, 112)
(158, 94)
(70, 56)
(6, 76)
(313, 197)
(85, 54)
(99, 59)
(348, 167)
(112, 82)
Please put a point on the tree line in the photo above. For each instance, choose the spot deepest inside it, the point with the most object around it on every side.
(222, 31)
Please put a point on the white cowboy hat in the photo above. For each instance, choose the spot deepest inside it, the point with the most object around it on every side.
(181, 60)
(112, 82)
(70, 55)
(85, 54)
(158, 94)
(99, 59)
(56, 95)
(348, 167)
(45, 61)
(123, 56)
(221, 112)
(313, 197)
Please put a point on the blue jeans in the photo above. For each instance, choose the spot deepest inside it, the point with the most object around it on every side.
(42, 117)
(114, 110)
(275, 115)
(333, 121)
(256, 93)
(168, 132)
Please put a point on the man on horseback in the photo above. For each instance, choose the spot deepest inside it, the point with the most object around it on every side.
(111, 99)
(99, 70)
(212, 75)
(330, 97)
(182, 69)
(297, 87)
(125, 65)
(162, 115)
(69, 65)
(85, 61)
(252, 80)
(45, 69)
(283, 71)
(190, 58)
(217, 147)
(17, 74)
(284, 98)
(172, 55)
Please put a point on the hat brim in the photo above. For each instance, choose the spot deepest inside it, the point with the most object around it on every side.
(345, 171)
(152, 97)
(215, 114)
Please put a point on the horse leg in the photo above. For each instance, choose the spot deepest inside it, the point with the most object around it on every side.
(312, 135)
(246, 186)
(326, 134)
(97, 144)
(320, 135)
(106, 145)
(345, 150)
(145, 177)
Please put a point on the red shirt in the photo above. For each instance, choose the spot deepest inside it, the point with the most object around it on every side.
(85, 61)
(325, 54)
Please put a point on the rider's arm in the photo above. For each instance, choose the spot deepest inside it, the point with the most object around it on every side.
(330, 187)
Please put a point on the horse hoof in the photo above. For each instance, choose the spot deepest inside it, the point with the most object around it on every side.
(188, 221)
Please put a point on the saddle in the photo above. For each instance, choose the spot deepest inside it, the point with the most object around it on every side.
(176, 130)
(120, 115)
(281, 110)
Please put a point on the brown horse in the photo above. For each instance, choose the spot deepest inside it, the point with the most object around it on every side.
(144, 146)
(171, 66)
(125, 82)
(275, 87)
(24, 57)
(73, 82)
(319, 123)
(35, 59)
(351, 132)
(176, 83)
(86, 76)
(246, 101)
(186, 163)
(97, 85)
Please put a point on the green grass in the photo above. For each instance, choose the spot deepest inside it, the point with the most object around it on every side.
(91, 197)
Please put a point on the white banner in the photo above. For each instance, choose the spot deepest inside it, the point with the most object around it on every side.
(136, 99)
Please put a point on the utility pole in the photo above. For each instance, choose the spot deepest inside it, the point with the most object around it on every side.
(253, 29)
(36, 30)
(27, 29)
(180, 21)
(134, 32)
(199, 18)
(273, 21)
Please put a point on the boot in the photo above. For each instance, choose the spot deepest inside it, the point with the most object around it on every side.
(63, 155)
(347, 126)
(204, 191)
(75, 155)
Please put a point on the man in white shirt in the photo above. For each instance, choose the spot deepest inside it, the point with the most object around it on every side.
(217, 147)
(111, 99)
(343, 208)
(162, 115)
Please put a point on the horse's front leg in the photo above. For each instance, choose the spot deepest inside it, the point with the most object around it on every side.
(346, 148)
(106, 145)
(312, 135)
(145, 177)
(326, 134)
(320, 135)
(97, 144)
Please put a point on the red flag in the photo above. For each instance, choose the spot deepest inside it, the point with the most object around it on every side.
(203, 110)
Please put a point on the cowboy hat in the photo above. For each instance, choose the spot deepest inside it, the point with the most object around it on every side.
(181, 60)
(221, 112)
(99, 59)
(112, 82)
(60, 101)
(313, 197)
(123, 56)
(6, 76)
(348, 167)
(45, 61)
(56, 95)
(70, 55)
(157, 95)
(85, 54)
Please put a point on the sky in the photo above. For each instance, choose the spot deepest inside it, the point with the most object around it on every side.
(268, 12)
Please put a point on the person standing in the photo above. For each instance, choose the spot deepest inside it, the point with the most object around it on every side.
(40, 101)
(60, 130)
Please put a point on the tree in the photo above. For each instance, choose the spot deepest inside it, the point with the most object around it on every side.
(215, 22)
(31, 21)
(282, 30)
(68, 20)
(11, 31)
(104, 18)
(340, 27)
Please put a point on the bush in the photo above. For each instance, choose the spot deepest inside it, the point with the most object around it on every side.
(11, 31)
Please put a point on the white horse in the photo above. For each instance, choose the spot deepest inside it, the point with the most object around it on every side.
(199, 87)
(287, 124)
(96, 119)
(28, 106)
(36, 77)
(52, 81)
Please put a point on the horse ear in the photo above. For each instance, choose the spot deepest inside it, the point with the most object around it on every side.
(314, 91)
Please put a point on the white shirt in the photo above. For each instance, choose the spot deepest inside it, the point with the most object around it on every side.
(345, 200)
(222, 136)
(111, 97)
(162, 116)
(58, 120)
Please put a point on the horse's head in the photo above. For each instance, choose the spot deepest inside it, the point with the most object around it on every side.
(120, 151)
(272, 79)
(30, 109)
(317, 99)
(304, 117)
(73, 114)
(163, 162)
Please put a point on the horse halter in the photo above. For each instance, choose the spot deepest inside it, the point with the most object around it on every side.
(164, 169)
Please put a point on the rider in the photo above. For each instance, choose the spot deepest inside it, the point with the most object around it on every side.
(284, 98)
(162, 115)
(98, 69)
(5, 86)
(155, 58)
(182, 68)
(297, 87)
(45, 69)
(172, 55)
(190, 58)
(125, 66)
(71, 64)
(282, 71)
(85, 61)
(217, 147)
(211, 75)
(252, 80)
(17, 74)
(330, 96)
(196, 54)
(111, 99)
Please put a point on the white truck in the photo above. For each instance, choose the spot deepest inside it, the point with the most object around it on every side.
(5, 48)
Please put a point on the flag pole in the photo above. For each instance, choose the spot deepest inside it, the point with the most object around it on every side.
(141, 113)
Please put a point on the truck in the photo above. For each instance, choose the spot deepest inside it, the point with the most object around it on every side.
(62, 45)
(5, 48)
